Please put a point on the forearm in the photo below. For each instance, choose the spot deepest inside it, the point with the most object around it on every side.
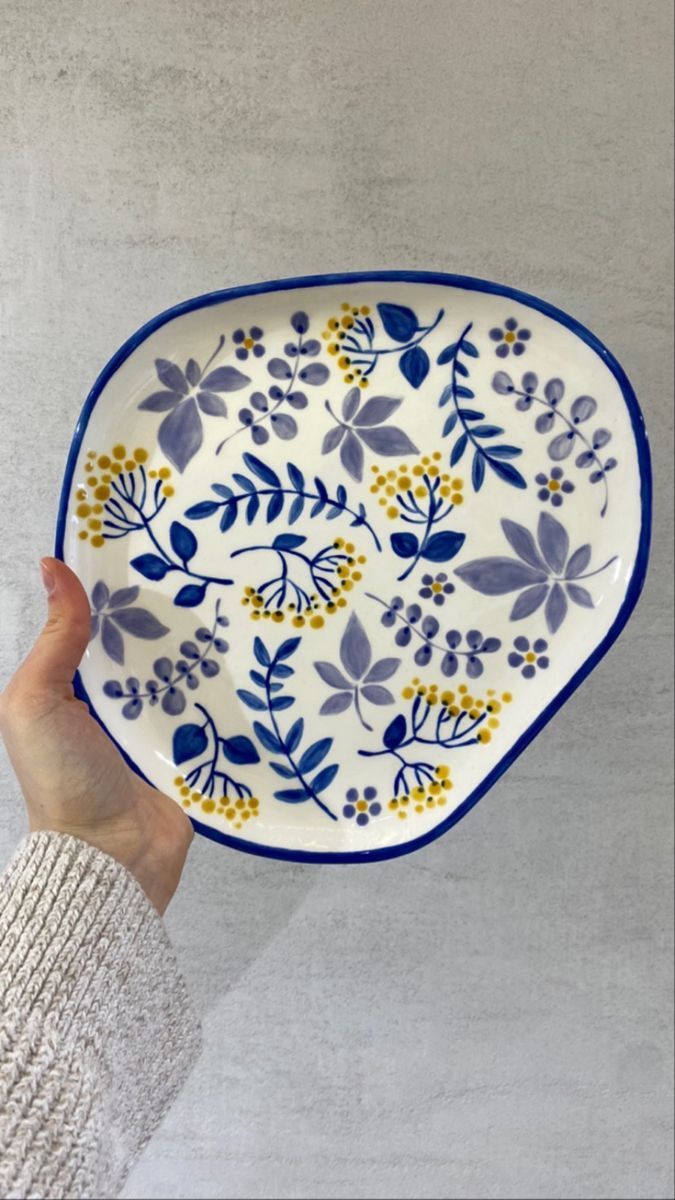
(96, 1031)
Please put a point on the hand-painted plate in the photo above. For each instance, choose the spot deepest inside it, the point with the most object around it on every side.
(350, 541)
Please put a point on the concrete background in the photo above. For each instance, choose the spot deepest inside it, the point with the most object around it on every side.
(490, 1017)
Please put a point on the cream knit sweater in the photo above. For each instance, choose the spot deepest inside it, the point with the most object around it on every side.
(96, 1031)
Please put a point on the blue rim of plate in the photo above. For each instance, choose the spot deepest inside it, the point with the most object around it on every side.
(633, 590)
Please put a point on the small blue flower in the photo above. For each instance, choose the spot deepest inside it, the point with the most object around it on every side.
(530, 658)
(510, 338)
(248, 343)
(436, 587)
(553, 487)
(361, 808)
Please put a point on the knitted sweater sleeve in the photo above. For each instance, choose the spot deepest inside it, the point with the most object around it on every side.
(96, 1031)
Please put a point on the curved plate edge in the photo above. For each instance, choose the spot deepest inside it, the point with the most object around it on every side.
(633, 589)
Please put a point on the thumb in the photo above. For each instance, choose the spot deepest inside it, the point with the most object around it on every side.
(56, 655)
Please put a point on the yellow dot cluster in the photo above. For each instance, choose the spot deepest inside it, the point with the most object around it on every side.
(461, 701)
(423, 798)
(335, 332)
(395, 483)
(92, 494)
(313, 616)
(236, 812)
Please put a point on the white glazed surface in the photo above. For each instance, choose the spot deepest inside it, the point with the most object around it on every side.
(552, 351)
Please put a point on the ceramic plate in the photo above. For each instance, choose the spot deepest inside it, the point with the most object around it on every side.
(349, 542)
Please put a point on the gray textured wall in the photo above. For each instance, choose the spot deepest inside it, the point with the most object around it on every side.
(490, 1017)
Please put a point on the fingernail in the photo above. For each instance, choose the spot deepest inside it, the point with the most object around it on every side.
(47, 578)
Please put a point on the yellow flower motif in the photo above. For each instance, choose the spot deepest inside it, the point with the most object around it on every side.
(314, 610)
(94, 493)
(421, 799)
(462, 704)
(337, 328)
(235, 812)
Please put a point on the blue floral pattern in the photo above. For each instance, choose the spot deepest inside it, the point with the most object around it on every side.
(543, 573)
(572, 437)
(391, 555)
(510, 339)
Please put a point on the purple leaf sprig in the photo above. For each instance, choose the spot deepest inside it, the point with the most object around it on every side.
(186, 395)
(171, 676)
(363, 679)
(415, 627)
(291, 374)
(365, 425)
(116, 613)
(572, 437)
(544, 572)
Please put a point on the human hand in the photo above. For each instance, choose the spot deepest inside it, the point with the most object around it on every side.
(73, 778)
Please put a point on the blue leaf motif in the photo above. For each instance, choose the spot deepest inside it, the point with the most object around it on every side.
(580, 595)
(113, 642)
(288, 541)
(314, 373)
(336, 703)
(296, 477)
(507, 471)
(150, 565)
(183, 541)
(287, 648)
(477, 471)
(458, 449)
(261, 652)
(190, 595)
(294, 736)
(225, 379)
(414, 365)
(239, 750)
(324, 779)
(260, 469)
(188, 742)
(267, 739)
(355, 651)
(405, 545)
(180, 435)
(553, 541)
(100, 595)
(523, 543)
(292, 795)
(441, 547)
(139, 622)
(399, 321)
(300, 322)
(495, 576)
(197, 512)
(314, 754)
(251, 700)
(529, 601)
(448, 354)
(279, 369)
(395, 732)
(556, 608)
